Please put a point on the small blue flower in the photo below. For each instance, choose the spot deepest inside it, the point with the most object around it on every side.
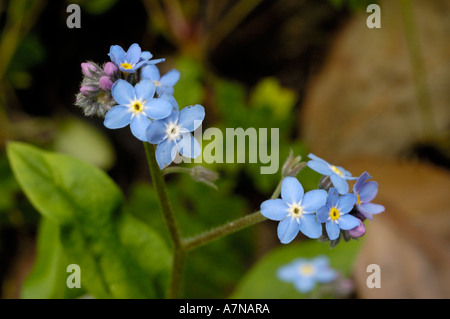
(164, 84)
(305, 273)
(295, 210)
(338, 175)
(365, 191)
(335, 213)
(136, 105)
(131, 60)
(173, 134)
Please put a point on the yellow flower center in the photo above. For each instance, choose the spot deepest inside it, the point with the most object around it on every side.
(334, 213)
(126, 66)
(336, 170)
(137, 106)
(358, 200)
(306, 270)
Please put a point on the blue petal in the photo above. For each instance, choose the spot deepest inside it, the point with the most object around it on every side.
(122, 92)
(164, 89)
(339, 183)
(133, 54)
(155, 61)
(323, 214)
(138, 126)
(274, 209)
(117, 54)
(290, 272)
(320, 167)
(150, 72)
(169, 98)
(370, 209)
(287, 229)
(304, 284)
(333, 229)
(347, 222)
(117, 117)
(146, 55)
(170, 78)
(360, 182)
(313, 200)
(316, 158)
(156, 132)
(310, 226)
(188, 146)
(165, 153)
(191, 117)
(158, 109)
(346, 203)
(144, 90)
(291, 190)
(368, 191)
(333, 197)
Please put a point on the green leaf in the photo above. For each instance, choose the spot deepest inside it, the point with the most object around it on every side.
(119, 256)
(48, 277)
(262, 282)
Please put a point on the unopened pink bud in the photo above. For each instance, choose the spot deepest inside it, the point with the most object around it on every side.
(87, 90)
(105, 83)
(110, 68)
(358, 231)
(86, 68)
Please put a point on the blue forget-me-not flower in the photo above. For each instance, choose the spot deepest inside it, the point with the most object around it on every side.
(136, 106)
(305, 273)
(365, 191)
(131, 60)
(335, 213)
(295, 210)
(173, 134)
(337, 174)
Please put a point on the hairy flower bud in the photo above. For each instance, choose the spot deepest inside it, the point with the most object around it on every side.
(110, 69)
(105, 83)
(293, 165)
(204, 175)
(88, 67)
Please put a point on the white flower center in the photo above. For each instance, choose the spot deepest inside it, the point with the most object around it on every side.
(295, 210)
(172, 131)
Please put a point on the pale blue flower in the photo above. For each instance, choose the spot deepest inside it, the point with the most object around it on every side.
(338, 175)
(365, 191)
(306, 273)
(335, 213)
(131, 60)
(295, 210)
(173, 134)
(136, 107)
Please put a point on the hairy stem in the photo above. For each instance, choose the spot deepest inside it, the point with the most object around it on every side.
(226, 229)
(161, 190)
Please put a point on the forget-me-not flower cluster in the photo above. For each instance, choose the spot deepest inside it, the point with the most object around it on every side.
(327, 212)
(129, 91)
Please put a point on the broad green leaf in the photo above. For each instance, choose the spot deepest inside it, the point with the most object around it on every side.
(61, 187)
(48, 277)
(262, 281)
(119, 257)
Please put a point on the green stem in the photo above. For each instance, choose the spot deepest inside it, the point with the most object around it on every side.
(226, 229)
(161, 190)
